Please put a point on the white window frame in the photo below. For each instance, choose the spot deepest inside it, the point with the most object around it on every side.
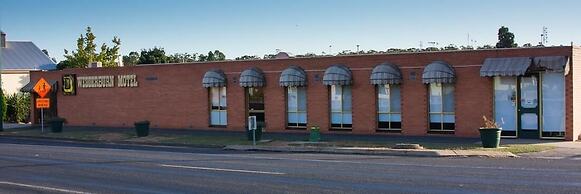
(389, 112)
(220, 109)
(297, 111)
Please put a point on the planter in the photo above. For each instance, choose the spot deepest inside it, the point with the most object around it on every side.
(315, 134)
(142, 128)
(56, 125)
(490, 137)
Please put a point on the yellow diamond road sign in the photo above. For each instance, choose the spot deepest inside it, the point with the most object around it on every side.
(42, 87)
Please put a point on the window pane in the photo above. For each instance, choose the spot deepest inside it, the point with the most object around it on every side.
(336, 96)
(223, 117)
(383, 117)
(435, 97)
(449, 119)
(395, 118)
(215, 96)
(302, 118)
(435, 118)
(223, 97)
(395, 98)
(528, 92)
(347, 118)
(529, 121)
(382, 98)
(553, 102)
(302, 99)
(336, 118)
(448, 97)
(346, 98)
(293, 118)
(214, 117)
(292, 99)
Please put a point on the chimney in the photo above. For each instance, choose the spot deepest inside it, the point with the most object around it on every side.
(2, 39)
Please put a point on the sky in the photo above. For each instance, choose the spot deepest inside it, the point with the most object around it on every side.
(258, 27)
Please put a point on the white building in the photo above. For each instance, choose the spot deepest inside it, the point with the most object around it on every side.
(17, 59)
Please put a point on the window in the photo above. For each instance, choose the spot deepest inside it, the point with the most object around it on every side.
(218, 114)
(388, 107)
(340, 107)
(296, 107)
(441, 107)
(553, 105)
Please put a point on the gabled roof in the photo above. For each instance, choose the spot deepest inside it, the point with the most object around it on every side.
(24, 55)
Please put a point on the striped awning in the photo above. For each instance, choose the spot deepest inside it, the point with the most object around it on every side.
(252, 77)
(385, 73)
(214, 78)
(552, 63)
(512, 66)
(30, 85)
(438, 72)
(337, 75)
(293, 76)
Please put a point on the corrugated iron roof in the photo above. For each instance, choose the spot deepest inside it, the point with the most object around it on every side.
(510, 66)
(24, 55)
(439, 72)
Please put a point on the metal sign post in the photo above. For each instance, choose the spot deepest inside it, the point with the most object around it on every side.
(42, 120)
(252, 126)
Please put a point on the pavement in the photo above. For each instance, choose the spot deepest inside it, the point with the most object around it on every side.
(37, 166)
(372, 151)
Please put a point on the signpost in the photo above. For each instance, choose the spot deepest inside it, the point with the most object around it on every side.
(42, 87)
(252, 126)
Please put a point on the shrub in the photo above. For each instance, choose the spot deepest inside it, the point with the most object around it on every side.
(18, 107)
(2, 105)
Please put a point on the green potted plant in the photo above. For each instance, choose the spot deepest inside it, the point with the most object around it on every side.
(142, 128)
(315, 134)
(56, 124)
(490, 133)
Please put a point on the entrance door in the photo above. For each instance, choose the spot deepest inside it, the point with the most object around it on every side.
(255, 105)
(505, 104)
(528, 107)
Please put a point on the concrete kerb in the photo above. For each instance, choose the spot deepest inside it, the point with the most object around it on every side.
(374, 151)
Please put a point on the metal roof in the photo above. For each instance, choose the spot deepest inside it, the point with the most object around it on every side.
(293, 76)
(337, 75)
(385, 73)
(511, 66)
(214, 78)
(252, 77)
(23, 55)
(438, 72)
(553, 63)
(30, 85)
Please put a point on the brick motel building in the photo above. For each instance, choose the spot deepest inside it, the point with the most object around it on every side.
(530, 92)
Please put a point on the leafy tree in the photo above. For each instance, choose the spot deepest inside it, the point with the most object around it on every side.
(153, 56)
(212, 56)
(182, 58)
(247, 57)
(3, 107)
(450, 47)
(269, 56)
(306, 55)
(505, 38)
(132, 59)
(485, 47)
(87, 52)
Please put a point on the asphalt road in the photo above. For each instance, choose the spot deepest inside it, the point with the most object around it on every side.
(34, 166)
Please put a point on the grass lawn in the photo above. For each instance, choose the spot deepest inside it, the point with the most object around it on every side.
(217, 139)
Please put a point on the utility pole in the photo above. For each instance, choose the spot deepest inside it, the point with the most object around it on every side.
(544, 37)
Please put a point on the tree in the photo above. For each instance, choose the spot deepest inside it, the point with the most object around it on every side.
(450, 47)
(505, 38)
(247, 57)
(132, 59)
(87, 53)
(153, 56)
(212, 56)
(182, 58)
(2, 109)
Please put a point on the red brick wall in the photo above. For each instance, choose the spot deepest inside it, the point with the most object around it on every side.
(176, 99)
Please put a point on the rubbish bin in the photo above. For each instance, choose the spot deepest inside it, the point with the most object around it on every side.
(315, 134)
(142, 128)
(56, 124)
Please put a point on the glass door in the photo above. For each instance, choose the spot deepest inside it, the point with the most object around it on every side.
(505, 106)
(528, 109)
(255, 105)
